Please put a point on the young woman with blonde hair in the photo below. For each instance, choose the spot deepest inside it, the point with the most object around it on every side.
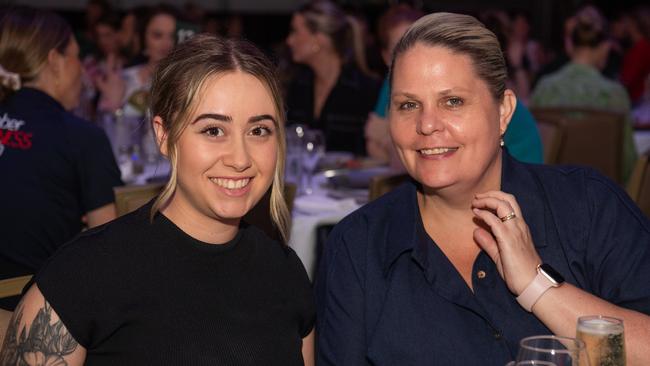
(182, 281)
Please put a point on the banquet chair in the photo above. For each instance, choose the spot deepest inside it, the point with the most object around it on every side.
(5, 318)
(551, 135)
(13, 286)
(130, 198)
(589, 137)
(382, 184)
(10, 287)
(639, 185)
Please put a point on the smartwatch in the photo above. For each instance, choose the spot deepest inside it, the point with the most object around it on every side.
(546, 278)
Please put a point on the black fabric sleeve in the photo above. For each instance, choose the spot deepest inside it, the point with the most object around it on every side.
(97, 170)
(302, 289)
(73, 283)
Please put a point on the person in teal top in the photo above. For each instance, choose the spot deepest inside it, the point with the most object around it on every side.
(522, 137)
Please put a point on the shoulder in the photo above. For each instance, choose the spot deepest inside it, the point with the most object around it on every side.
(372, 228)
(267, 248)
(113, 237)
(354, 78)
(574, 190)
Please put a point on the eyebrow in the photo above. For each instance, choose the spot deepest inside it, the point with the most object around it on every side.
(225, 118)
(444, 92)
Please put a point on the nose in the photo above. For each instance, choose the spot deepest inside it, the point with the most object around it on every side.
(238, 158)
(429, 122)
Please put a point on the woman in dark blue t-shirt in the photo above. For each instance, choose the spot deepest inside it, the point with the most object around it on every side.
(56, 168)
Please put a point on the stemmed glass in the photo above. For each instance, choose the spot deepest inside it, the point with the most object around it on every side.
(314, 150)
(552, 351)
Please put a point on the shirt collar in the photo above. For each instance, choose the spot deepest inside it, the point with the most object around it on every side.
(516, 179)
(38, 98)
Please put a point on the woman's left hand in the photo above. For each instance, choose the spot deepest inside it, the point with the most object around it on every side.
(508, 241)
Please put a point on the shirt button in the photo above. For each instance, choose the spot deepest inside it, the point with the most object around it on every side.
(498, 335)
(481, 274)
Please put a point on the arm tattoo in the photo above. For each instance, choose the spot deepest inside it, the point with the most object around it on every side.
(42, 344)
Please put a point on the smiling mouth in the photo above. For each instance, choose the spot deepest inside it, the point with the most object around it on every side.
(437, 151)
(231, 183)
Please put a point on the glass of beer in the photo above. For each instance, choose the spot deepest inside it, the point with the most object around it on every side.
(604, 339)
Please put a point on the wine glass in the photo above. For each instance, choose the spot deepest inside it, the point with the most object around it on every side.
(552, 350)
(314, 150)
(604, 339)
(293, 164)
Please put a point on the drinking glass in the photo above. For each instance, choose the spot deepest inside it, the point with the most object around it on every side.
(314, 150)
(552, 350)
(604, 338)
(293, 163)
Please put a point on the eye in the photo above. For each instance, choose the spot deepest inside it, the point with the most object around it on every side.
(212, 131)
(454, 102)
(261, 131)
(407, 106)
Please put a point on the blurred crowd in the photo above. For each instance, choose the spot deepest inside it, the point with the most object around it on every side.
(334, 59)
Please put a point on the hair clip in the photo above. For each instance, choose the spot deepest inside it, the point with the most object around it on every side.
(9, 79)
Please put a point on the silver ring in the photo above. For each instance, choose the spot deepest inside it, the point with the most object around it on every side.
(507, 217)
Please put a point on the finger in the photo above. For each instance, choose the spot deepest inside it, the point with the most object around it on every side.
(505, 197)
(497, 227)
(485, 240)
(500, 207)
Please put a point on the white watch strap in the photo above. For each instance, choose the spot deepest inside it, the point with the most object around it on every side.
(534, 291)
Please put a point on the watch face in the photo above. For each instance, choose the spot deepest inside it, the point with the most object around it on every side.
(551, 274)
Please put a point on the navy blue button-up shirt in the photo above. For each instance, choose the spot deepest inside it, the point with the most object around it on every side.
(387, 295)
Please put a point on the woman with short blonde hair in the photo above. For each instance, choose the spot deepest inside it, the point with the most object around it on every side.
(458, 265)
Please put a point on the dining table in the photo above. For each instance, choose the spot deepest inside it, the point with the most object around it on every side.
(335, 194)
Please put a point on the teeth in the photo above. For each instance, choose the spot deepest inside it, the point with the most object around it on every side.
(231, 183)
(437, 150)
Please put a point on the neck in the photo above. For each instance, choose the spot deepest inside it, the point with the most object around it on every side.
(326, 67)
(584, 56)
(45, 83)
(198, 225)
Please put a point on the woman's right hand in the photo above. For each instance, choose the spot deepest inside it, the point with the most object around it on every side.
(111, 85)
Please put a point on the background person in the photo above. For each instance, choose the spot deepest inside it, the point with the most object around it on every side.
(182, 281)
(580, 84)
(332, 92)
(56, 168)
(433, 273)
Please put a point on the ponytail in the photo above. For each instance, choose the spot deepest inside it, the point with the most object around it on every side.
(27, 35)
(358, 45)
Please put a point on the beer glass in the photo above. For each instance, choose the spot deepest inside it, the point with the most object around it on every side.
(604, 338)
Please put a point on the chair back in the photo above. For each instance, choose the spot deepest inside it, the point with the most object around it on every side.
(382, 184)
(13, 286)
(551, 135)
(589, 137)
(130, 198)
(639, 185)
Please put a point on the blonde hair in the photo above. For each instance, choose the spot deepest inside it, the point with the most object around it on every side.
(462, 34)
(27, 36)
(174, 90)
(344, 30)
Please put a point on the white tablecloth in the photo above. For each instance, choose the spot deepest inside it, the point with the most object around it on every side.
(642, 140)
(310, 212)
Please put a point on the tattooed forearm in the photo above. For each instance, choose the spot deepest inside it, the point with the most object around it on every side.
(40, 343)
